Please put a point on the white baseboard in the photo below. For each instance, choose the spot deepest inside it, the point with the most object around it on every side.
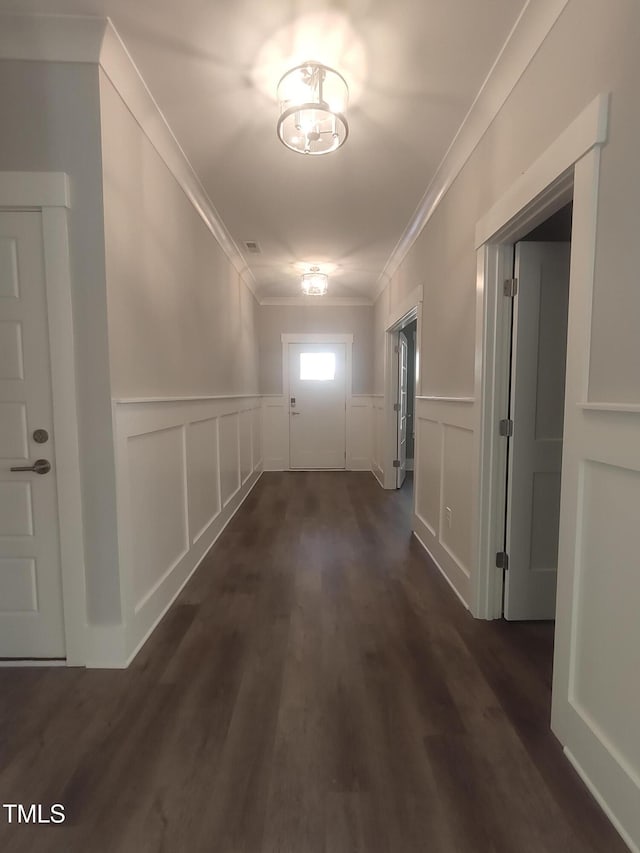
(441, 570)
(601, 802)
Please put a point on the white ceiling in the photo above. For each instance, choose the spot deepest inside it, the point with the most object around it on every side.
(414, 68)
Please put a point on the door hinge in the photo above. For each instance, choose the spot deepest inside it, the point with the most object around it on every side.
(502, 560)
(511, 287)
(505, 428)
(396, 463)
(396, 407)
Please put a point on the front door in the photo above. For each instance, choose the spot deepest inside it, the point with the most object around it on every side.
(31, 614)
(539, 351)
(317, 405)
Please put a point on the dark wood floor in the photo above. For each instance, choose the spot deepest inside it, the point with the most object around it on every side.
(317, 687)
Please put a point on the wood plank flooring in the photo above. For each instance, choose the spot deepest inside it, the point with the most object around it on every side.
(317, 688)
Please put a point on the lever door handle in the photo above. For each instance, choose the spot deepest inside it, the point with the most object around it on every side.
(40, 466)
(296, 413)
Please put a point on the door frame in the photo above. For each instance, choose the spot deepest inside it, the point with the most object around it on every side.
(568, 169)
(48, 194)
(409, 309)
(319, 338)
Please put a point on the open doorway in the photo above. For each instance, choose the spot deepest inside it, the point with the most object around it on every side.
(533, 429)
(405, 349)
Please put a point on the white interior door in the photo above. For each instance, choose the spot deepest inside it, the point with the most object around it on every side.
(31, 614)
(539, 350)
(317, 405)
(403, 386)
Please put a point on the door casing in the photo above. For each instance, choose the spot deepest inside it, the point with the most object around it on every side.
(48, 193)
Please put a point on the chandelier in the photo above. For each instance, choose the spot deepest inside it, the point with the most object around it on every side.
(313, 99)
(314, 282)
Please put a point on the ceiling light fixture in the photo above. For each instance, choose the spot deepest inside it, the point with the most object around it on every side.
(314, 282)
(313, 99)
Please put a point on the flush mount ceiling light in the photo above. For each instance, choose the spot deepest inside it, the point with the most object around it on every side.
(314, 282)
(313, 99)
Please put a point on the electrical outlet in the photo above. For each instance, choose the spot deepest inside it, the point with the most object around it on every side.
(448, 515)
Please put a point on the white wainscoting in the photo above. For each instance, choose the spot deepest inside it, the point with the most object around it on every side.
(443, 477)
(377, 443)
(183, 468)
(275, 414)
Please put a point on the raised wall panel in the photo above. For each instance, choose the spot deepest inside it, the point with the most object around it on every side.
(275, 435)
(203, 475)
(17, 511)
(18, 588)
(158, 506)
(246, 462)
(457, 493)
(429, 440)
(606, 687)
(229, 457)
(11, 364)
(256, 444)
(9, 288)
(360, 435)
(13, 431)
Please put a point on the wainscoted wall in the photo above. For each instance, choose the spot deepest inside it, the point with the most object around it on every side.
(183, 468)
(377, 424)
(275, 411)
(444, 486)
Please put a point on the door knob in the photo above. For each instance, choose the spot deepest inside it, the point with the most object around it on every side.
(40, 466)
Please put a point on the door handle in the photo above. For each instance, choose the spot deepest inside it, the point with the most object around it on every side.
(40, 466)
(296, 413)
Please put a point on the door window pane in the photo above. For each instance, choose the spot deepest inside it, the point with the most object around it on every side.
(318, 366)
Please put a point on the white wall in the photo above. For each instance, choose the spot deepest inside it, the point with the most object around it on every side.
(276, 320)
(591, 49)
(181, 321)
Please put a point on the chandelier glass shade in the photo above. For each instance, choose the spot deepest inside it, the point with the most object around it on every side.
(315, 283)
(313, 100)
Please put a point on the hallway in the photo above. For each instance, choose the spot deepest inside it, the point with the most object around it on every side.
(316, 687)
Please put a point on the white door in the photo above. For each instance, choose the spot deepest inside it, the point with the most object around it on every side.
(31, 615)
(403, 387)
(539, 351)
(317, 405)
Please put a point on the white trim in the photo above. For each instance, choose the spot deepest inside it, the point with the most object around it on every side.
(321, 338)
(441, 570)
(130, 401)
(313, 338)
(529, 32)
(595, 793)
(586, 131)
(620, 408)
(400, 312)
(526, 201)
(436, 399)
(409, 309)
(50, 193)
(316, 301)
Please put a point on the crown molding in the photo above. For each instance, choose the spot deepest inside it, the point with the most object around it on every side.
(533, 25)
(57, 38)
(317, 301)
